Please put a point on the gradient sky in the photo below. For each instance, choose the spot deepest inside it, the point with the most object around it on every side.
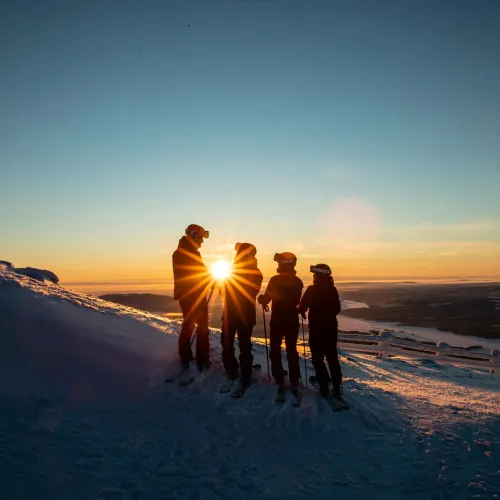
(362, 134)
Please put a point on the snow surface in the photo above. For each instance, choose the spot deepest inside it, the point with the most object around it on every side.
(85, 415)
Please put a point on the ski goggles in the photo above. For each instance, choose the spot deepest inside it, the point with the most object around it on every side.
(318, 270)
(196, 234)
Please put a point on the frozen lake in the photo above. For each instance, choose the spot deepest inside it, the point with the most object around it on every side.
(416, 332)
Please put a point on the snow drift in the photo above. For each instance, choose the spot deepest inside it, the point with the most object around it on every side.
(85, 414)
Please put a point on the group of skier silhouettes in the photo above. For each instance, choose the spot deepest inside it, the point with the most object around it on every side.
(321, 303)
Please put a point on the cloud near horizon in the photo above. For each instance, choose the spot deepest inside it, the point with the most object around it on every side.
(489, 227)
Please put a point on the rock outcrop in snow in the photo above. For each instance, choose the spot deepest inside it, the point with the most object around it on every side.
(31, 272)
(38, 274)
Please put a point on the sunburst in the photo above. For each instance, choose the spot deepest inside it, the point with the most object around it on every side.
(221, 270)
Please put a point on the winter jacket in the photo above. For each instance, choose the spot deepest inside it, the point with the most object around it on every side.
(240, 292)
(190, 274)
(323, 303)
(284, 291)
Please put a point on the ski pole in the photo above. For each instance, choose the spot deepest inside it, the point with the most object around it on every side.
(211, 292)
(304, 344)
(265, 336)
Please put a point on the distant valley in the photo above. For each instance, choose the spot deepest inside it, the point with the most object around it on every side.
(464, 308)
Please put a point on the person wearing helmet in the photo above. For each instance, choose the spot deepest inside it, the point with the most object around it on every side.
(239, 316)
(284, 291)
(322, 301)
(191, 283)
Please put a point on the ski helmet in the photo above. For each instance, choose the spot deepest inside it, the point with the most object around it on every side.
(286, 262)
(321, 269)
(285, 258)
(196, 231)
(244, 249)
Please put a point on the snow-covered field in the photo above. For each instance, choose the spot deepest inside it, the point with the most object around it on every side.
(85, 415)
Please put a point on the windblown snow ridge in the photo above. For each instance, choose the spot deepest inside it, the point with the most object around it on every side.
(52, 292)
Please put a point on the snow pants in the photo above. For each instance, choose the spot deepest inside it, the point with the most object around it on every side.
(244, 369)
(194, 315)
(290, 333)
(323, 344)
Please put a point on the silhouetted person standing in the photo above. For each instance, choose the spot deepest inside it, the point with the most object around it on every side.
(323, 303)
(284, 291)
(191, 283)
(239, 316)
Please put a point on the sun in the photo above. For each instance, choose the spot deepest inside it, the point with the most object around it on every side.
(221, 270)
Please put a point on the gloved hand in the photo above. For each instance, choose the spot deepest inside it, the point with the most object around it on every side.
(261, 300)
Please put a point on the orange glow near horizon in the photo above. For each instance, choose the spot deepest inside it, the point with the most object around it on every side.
(374, 269)
(391, 266)
(150, 267)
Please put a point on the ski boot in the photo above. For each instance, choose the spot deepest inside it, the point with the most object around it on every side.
(324, 391)
(228, 386)
(297, 396)
(280, 394)
(203, 365)
(332, 401)
(240, 390)
(338, 396)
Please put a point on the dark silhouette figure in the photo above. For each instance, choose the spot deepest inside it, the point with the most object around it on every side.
(284, 291)
(239, 316)
(191, 283)
(323, 303)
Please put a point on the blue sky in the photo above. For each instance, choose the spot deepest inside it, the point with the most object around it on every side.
(351, 132)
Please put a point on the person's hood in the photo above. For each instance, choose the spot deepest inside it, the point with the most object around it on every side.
(188, 243)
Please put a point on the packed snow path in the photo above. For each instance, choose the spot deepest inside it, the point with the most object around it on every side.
(85, 415)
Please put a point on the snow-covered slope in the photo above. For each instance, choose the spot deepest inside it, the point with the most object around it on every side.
(85, 414)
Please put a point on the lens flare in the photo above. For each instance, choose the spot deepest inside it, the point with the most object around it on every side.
(221, 270)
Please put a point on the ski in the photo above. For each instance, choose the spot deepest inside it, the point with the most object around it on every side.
(173, 378)
(198, 373)
(336, 403)
(183, 378)
(230, 384)
(239, 391)
(333, 402)
(201, 373)
(186, 380)
(227, 387)
(343, 403)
